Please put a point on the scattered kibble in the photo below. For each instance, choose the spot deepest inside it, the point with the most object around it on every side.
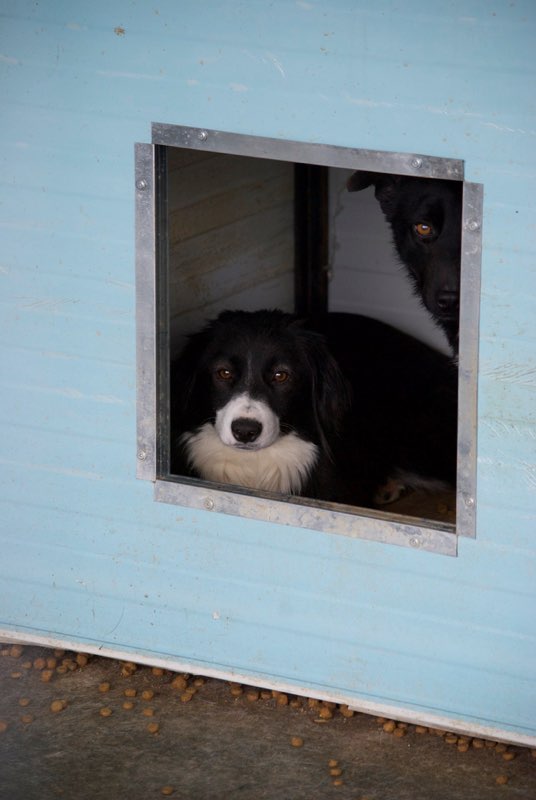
(106, 711)
(147, 694)
(52, 663)
(509, 755)
(82, 659)
(16, 650)
(338, 782)
(346, 712)
(128, 669)
(335, 772)
(179, 682)
(148, 712)
(128, 705)
(3, 726)
(24, 701)
(185, 697)
(157, 671)
(46, 675)
(296, 741)
(26, 719)
(501, 779)
(16, 675)
(252, 695)
(58, 705)
(478, 744)
(399, 732)
(104, 687)
(333, 763)
(39, 663)
(325, 713)
(281, 700)
(167, 790)
(420, 729)
(153, 727)
(389, 726)
(130, 693)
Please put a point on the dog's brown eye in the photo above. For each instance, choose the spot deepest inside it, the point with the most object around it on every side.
(280, 376)
(224, 374)
(423, 230)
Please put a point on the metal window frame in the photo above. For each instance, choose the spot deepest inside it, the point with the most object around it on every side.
(152, 343)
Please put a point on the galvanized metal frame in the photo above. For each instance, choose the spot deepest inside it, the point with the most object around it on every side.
(153, 344)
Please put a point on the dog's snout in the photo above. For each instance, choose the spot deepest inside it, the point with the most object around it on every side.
(245, 429)
(447, 301)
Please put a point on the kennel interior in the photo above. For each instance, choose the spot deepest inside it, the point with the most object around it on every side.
(244, 223)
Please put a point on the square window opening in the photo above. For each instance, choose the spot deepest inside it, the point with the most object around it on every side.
(337, 237)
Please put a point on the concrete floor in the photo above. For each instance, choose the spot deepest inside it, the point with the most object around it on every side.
(221, 743)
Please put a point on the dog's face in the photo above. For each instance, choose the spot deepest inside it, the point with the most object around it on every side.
(257, 376)
(425, 218)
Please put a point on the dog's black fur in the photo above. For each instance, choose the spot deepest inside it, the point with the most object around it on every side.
(403, 423)
(425, 219)
(402, 419)
(251, 353)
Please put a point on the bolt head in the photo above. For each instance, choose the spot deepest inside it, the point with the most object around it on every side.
(141, 184)
(202, 135)
(142, 455)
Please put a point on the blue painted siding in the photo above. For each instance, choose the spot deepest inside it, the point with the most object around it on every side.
(87, 556)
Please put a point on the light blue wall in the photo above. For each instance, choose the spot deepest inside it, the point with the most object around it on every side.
(87, 557)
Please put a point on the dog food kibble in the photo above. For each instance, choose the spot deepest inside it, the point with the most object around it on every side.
(153, 727)
(509, 756)
(26, 665)
(3, 726)
(26, 719)
(16, 650)
(236, 691)
(106, 711)
(147, 694)
(500, 747)
(463, 747)
(346, 712)
(312, 702)
(128, 669)
(265, 694)
(252, 695)
(167, 790)
(130, 692)
(420, 729)
(179, 682)
(451, 738)
(157, 671)
(501, 779)
(39, 663)
(399, 732)
(148, 712)
(59, 653)
(16, 675)
(82, 659)
(52, 663)
(333, 763)
(62, 669)
(389, 726)
(128, 705)
(46, 675)
(58, 705)
(24, 701)
(325, 713)
(199, 682)
(281, 700)
(295, 702)
(335, 772)
(104, 687)
(185, 697)
(478, 744)
(338, 782)
(296, 741)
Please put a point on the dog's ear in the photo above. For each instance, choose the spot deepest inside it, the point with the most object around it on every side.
(385, 187)
(331, 392)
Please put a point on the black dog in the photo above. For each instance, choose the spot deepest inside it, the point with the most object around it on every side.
(425, 218)
(258, 401)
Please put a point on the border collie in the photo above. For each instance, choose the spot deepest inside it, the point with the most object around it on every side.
(425, 219)
(258, 401)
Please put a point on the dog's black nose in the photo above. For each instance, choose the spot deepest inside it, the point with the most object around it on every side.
(246, 430)
(447, 301)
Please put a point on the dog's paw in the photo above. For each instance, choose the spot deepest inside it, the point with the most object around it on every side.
(388, 492)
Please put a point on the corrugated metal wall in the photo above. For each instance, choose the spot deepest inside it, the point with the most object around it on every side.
(87, 556)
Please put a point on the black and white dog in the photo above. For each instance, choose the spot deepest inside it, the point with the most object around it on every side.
(258, 401)
(425, 219)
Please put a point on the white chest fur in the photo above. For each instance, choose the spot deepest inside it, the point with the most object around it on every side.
(282, 467)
